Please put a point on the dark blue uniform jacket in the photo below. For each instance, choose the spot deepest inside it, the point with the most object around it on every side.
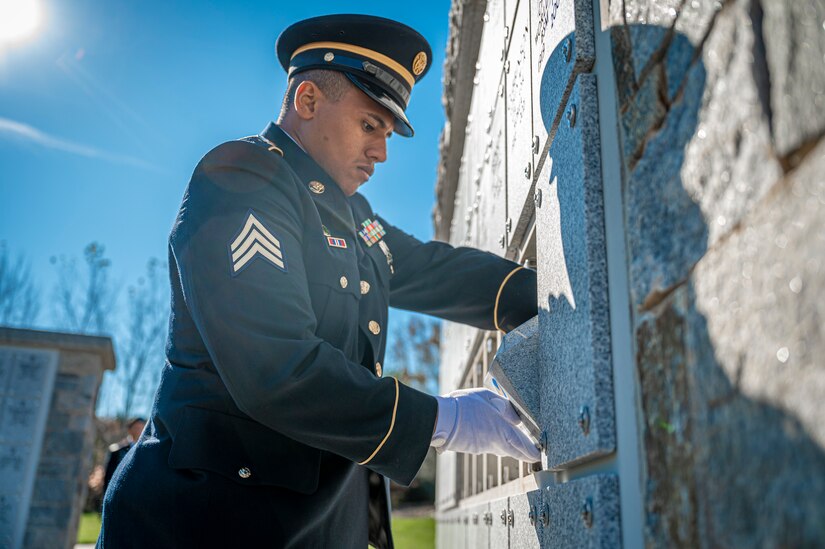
(272, 425)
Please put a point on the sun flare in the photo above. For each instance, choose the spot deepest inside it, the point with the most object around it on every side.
(18, 19)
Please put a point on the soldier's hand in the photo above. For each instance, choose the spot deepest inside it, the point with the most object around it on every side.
(478, 421)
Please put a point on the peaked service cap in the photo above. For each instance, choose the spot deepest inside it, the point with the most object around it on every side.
(382, 57)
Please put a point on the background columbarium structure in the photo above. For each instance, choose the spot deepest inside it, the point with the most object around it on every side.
(661, 164)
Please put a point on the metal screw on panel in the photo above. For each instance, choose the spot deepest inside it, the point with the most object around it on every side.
(511, 518)
(532, 516)
(509, 224)
(584, 419)
(528, 170)
(571, 116)
(475, 518)
(587, 513)
(535, 144)
(501, 240)
(567, 49)
(537, 198)
(504, 517)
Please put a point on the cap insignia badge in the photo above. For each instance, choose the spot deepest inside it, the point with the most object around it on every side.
(419, 63)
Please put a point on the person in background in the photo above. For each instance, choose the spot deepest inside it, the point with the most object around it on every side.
(119, 449)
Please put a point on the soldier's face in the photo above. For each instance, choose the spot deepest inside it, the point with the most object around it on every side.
(350, 138)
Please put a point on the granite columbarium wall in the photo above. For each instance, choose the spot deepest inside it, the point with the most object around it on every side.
(661, 164)
(48, 389)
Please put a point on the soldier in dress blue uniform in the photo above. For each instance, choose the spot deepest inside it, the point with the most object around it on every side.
(273, 425)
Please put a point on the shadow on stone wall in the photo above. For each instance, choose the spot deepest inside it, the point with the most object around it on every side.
(722, 469)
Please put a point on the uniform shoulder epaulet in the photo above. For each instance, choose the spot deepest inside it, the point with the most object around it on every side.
(263, 142)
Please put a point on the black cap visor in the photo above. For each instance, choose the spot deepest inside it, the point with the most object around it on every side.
(377, 94)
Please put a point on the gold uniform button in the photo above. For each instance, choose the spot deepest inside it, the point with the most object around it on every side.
(374, 327)
(378, 369)
(317, 187)
(244, 472)
(365, 287)
(344, 282)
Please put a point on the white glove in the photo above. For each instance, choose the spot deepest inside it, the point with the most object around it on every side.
(478, 421)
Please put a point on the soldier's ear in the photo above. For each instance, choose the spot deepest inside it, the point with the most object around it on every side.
(306, 99)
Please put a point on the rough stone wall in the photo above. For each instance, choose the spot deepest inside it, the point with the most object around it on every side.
(65, 457)
(722, 122)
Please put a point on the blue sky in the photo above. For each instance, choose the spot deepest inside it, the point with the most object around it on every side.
(109, 105)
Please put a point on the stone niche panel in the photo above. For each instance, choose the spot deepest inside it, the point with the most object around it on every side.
(583, 513)
(478, 527)
(575, 366)
(524, 521)
(492, 187)
(562, 46)
(26, 383)
(519, 120)
(499, 531)
(461, 220)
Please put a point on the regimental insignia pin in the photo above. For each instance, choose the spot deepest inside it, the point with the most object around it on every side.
(326, 231)
(254, 240)
(336, 242)
(317, 187)
(371, 231)
(386, 250)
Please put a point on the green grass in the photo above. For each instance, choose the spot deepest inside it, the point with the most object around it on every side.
(89, 528)
(414, 533)
(409, 533)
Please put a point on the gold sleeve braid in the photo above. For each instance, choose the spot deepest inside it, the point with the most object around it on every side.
(392, 425)
(498, 296)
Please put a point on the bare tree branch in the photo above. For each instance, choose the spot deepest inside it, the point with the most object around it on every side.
(84, 303)
(415, 353)
(19, 297)
(144, 339)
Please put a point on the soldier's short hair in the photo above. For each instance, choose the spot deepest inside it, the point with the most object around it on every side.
(333, 84)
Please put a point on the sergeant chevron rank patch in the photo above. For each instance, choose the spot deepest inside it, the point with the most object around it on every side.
(254, 240)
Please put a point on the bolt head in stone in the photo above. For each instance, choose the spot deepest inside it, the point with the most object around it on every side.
(536, 144)
(545, 517)
(544, 441)
(587, 513)
(537, 198)
(528, 170)
(567, 49)
(532, 516)
(571, 116)
(584, 420)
